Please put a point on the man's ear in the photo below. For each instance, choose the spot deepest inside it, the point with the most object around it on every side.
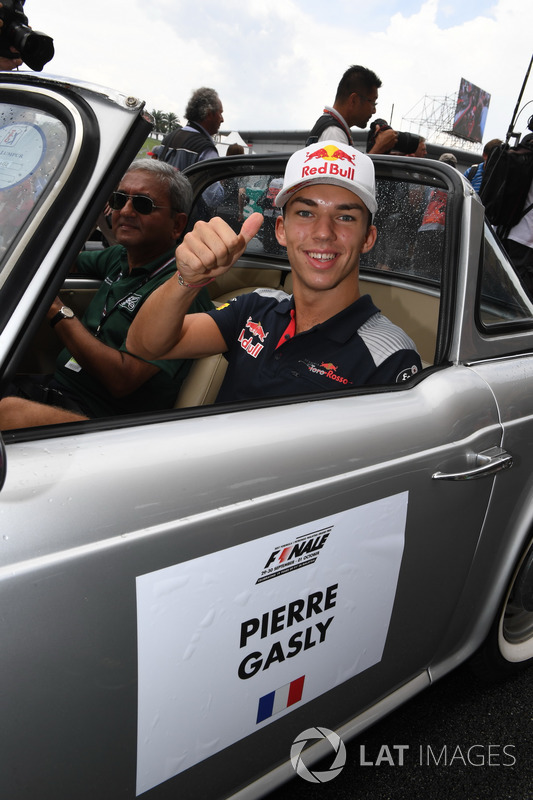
(370, 241)
(355, 100)
(280, 231)
(180, 221)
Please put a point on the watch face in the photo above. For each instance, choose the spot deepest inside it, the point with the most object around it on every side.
(67, 312)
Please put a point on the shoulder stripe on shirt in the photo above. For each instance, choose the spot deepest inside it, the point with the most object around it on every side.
(383, 338)
(277, 294)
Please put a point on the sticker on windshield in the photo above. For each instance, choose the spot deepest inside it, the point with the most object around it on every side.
(22, 147)
(232, 641)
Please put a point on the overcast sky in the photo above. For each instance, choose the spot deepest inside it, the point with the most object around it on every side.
(275, 64)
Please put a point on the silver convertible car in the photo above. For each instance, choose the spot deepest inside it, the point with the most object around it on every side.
(185, 592)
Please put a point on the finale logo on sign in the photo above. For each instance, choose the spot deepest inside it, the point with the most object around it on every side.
(302, 552)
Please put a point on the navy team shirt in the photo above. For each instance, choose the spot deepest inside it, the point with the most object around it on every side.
(357, 347)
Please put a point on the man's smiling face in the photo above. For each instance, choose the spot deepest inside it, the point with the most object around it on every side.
(325, 228)
(154, 233)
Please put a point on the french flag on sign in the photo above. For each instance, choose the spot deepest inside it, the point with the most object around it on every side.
(282, 698)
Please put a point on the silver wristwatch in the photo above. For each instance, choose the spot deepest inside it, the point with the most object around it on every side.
(64, 313)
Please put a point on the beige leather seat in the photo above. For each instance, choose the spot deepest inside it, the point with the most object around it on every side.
(200, 387)
(417, 313)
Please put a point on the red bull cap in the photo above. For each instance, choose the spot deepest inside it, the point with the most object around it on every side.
(330, 162)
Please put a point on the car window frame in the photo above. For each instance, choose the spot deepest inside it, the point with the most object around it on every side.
(511, 326)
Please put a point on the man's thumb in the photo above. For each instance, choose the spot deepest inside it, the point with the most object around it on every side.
(251, 226)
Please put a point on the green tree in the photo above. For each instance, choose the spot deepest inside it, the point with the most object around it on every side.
(171, 121)
(159, 122)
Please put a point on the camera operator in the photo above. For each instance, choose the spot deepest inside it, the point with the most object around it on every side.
(18, 42)
(421, 150)
(384, 141)
(9, 63)
(355, 102)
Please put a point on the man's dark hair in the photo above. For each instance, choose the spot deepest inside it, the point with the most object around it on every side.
(235, 150)
(356, 79)
(489, 147)
(203, 102)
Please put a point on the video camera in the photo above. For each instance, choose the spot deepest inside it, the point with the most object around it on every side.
(406, 144)
(34, 48)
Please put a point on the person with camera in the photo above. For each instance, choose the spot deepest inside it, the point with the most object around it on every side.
(8, 64)
(18, 42)
(355, 102)
(401, 143)
(421, 150)
(93, 376)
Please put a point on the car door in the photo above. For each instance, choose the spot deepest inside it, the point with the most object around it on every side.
(183, 594)
(495, 338)
(102, 530)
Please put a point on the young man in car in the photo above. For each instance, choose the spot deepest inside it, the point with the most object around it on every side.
(93, 376)
(325, 336)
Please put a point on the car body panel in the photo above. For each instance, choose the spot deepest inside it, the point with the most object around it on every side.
(82, 571)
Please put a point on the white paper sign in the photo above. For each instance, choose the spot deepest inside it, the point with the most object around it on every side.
(22, 147)
(229, 642)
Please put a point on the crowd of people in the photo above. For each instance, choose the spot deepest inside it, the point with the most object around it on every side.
(152, 314)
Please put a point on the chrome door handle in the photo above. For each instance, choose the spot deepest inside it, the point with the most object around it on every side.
(487, 463)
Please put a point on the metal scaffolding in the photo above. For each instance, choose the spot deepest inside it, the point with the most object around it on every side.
(432, 117)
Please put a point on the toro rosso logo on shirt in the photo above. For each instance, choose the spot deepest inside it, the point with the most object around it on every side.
(327, 369)
(253, 348)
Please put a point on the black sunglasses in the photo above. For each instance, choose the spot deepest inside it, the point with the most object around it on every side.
(140, 202)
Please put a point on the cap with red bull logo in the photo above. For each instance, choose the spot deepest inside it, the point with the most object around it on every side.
(333, 163)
